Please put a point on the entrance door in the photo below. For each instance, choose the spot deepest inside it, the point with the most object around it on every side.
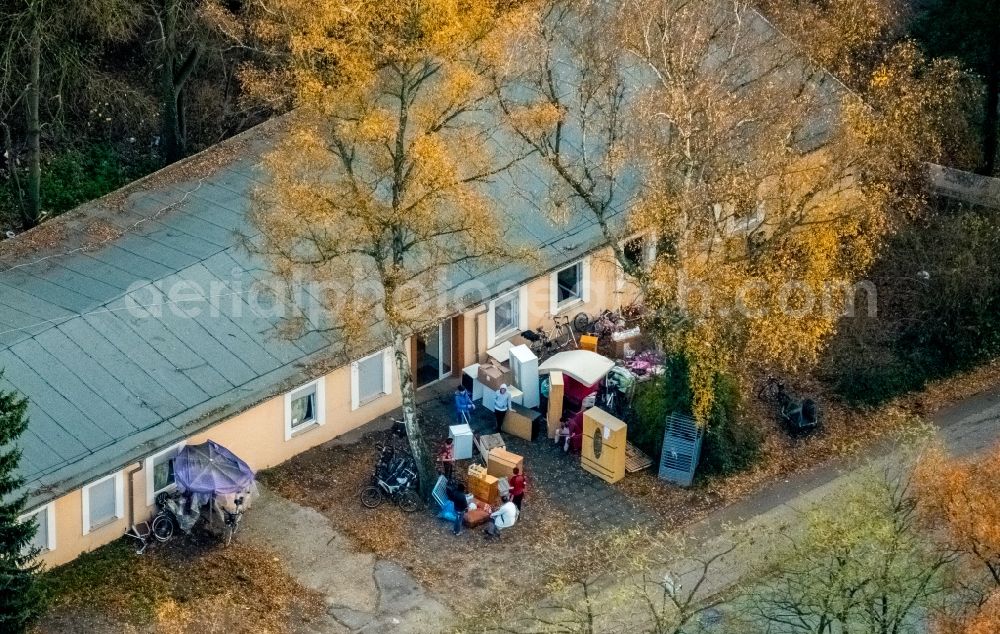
(434, 354)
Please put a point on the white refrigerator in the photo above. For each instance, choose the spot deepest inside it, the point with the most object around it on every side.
(524, 368)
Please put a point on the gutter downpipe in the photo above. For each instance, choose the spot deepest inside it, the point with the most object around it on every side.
(130, 474)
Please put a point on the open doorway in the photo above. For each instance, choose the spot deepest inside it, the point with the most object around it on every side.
(433, 354)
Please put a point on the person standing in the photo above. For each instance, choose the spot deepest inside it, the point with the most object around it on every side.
(501, 403)
(456, 493)
(463, 404)
(446, 458)
(575, 440)
(518, 484)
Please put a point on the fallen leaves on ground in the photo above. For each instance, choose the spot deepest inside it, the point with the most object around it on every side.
(556, 542)
(179, 588)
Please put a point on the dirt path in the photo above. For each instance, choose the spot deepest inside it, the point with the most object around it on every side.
(363, 593)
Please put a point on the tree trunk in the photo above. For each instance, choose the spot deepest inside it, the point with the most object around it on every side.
(176, 70)
(992, 117)
(408, 393)
(32, 211)
(169, 122)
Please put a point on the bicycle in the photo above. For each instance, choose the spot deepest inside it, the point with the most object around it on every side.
(231, 522)
(397, 487)
(798, 416)
(605, 324)
(544, 343)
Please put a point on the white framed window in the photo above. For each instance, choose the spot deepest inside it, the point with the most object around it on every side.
(371, 378)
(507, 315)
(103, 502)
(569, 286)
(159, 470)
(45, 519)
(305, 407)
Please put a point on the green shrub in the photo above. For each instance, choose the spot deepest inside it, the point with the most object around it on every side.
(76, 176)
(653, 401)
(730, 444)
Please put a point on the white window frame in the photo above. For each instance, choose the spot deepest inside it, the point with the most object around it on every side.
(492, 336)
(119, 501)
(555, 306)
(387, 364)
(148, 466)
(50, 524)
(319, 387)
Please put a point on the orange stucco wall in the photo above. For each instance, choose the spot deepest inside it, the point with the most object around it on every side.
(258, 434)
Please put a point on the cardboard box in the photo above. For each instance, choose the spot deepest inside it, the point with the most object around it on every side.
(493, 376)
(588, 342)
(502, 462)
(518, 421)
(623, 343)
(487, 442)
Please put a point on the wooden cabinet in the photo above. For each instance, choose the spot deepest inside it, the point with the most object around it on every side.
(483, 486)
(502, 462)
(603, 451)
(554, 413)
(518, 422)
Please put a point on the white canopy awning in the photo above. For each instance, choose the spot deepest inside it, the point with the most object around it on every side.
(583, 365)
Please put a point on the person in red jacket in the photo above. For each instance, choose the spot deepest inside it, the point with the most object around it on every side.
(517, 488)
(576, 433)
(446, 458)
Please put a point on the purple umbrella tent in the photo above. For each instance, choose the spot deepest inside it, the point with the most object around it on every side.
(210, 469)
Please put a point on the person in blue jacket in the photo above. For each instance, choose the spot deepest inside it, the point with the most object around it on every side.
(463, 404)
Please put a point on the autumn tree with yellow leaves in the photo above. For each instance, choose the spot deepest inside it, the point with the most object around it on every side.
(377, 187)
(958, 500)
(864, 43)
(759, 187)
(765, 183)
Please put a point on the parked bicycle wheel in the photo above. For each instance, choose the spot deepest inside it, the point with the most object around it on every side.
(371, 496)
(581, 322)
(409, 501)
(162, 528)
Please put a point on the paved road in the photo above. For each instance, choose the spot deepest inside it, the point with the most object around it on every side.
(769, 518)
